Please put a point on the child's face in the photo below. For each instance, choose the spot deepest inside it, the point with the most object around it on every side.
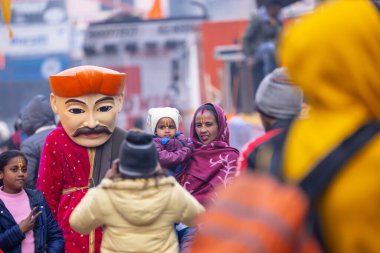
(166, 128)
(14, 175)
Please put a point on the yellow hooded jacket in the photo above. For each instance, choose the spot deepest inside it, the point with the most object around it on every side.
(334, 56)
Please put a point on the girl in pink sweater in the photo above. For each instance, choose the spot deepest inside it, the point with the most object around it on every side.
(26, 223)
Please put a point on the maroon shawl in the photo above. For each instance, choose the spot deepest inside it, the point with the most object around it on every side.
(211, 164)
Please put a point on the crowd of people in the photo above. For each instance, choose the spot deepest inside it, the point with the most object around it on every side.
(82, 184)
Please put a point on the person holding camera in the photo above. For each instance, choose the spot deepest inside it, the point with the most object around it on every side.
(136, 203)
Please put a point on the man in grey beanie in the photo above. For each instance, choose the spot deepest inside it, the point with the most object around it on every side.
(278, 102)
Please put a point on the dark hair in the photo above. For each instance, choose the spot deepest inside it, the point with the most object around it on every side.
(208, 107)
(6, 156)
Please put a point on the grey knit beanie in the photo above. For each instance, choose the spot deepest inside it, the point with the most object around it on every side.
(277, 97)
(138, 155)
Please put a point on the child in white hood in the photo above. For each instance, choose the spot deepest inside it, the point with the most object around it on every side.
(173, 147)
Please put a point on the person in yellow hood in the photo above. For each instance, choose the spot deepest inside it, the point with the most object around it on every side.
(334, 56)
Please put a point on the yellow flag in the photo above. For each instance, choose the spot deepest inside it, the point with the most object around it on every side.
(6, 9)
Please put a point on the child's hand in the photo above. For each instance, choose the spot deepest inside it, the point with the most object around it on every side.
(190, 144)
(111, 173)
(28, 223)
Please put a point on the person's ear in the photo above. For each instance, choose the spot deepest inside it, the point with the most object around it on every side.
(53, 103)
(119, 102)
(1, 175)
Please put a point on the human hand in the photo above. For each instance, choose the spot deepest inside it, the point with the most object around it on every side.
(190, 144)
(112, 172)
(28, 223)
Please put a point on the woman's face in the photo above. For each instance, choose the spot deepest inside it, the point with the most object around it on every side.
(14, 175)
(206, 126)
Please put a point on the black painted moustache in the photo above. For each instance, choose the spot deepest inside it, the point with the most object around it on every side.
(95, 130)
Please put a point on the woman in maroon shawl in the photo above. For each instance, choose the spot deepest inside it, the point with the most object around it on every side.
(213, 161)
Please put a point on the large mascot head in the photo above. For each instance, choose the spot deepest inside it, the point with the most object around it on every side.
(87, 100)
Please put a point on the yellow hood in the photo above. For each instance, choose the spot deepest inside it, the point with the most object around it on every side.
(334, 56)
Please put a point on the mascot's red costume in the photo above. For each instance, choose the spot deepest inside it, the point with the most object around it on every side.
(77, 154)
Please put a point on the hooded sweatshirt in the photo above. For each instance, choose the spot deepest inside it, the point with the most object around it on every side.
(37, 121)
(333, 55)
(138, 215)
(37, 114)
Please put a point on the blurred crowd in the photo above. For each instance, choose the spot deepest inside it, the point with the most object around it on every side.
(302, 180)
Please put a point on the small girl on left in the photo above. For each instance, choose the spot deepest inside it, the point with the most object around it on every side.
(26, 222)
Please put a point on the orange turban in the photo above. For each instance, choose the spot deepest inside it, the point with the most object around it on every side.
(85, 80)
